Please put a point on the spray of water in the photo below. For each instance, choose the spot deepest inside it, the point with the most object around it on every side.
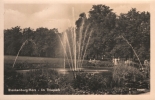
(21, 49)
(86, 47)
(19, 52)
(69, 49)
(75, 47)
(64, 51)
(74, 38)
(81, 54)
(133, 50)
(79, 43)
(82, 49)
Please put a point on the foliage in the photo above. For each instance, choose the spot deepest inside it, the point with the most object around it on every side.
(12, 79)
(42, 78)
(130, 26)
(12, 40)
(124, 73)
(39, 41)
(92, 82)
(38, 79)
(106, 28)
(84, 83)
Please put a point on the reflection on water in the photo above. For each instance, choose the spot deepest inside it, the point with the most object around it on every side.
(67, 70)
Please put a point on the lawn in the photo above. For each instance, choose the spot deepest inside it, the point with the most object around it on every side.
(52, 61)
(20, 59)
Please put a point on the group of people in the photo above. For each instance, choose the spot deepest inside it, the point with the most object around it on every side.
(128, 62)
(117, 60)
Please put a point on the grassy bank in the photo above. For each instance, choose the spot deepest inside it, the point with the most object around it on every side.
(20, 59)
(57, 62)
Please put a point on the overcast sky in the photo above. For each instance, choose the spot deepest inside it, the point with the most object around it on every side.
(55, 15)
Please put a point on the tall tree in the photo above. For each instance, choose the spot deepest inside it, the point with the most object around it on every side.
(135, 27)
(102, 21)
(12, 41)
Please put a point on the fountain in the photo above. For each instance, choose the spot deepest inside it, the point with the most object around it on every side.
(74, 48)
(21, 49)
(133, 50)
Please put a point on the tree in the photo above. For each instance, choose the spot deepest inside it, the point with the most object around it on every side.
(102, 22)
(41, 42)
(131, 26)
(12, 41)
(46, 41)
(29, 49)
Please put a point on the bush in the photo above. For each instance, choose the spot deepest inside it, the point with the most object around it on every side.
(123, 73)
(42, 78)
(91, 82)
(37, 79)
(12, 79)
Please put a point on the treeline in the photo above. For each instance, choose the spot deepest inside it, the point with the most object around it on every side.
(111, 35)
(42, 42)
(117, 35)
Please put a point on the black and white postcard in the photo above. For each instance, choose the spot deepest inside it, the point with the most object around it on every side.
(93, 49)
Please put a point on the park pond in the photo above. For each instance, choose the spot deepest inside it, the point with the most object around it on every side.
(68, 70)
(102, 78)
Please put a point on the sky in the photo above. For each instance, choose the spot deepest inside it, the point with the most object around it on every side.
(56, 15)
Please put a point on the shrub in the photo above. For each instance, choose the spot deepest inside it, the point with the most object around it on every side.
(42, 78)
(91, 82)
(124, 73)
(12, 79)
